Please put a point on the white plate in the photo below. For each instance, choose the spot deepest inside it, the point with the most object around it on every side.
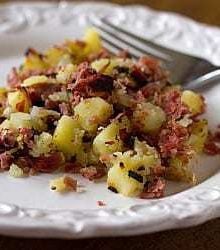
(28, 207)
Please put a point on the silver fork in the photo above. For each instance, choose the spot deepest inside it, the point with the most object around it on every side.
(189, 71)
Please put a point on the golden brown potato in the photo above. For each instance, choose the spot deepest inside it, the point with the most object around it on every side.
(92, 112)
(148, 118)
(68, 136)
(34, 61)
(93, 41)
(20, 120)
(35, 80)
(193, 101)
(199, 135)
(130, 169)
(108, 140)
(182, 170)
(54, 55)
(19, 101)
(120, 180)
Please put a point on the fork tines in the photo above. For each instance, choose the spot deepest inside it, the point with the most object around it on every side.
(116, 38)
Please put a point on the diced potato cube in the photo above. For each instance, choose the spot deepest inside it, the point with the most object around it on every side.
(39, 117)
(102, 65)
(130, 169)
(3, 91)
(148, 118)
(199, 135)
(64, 74)
(40, 112)
(19, 101)
(63, 184)
(3, 99)
(61, 96)
(108, 140)
(106, 65)
(133, 161)
(121, 181)
(35, 80)
(68, 136)
(53, 56)
(20, 120)
(43, 145)
(6, 124)
(193, 101)
(58, 185)
(34, 61)
(182, 170)
(15, 171)
(17, 120)
(92, 40)
(92, 112)
(76, 50)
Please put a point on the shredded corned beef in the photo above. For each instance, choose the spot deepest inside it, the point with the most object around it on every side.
(70, 183)
(49, 104)
(45, 164)
(172, 105)
(5, 160)
(154, 189)
(101, 203)
(72, 167)
(158, 171)
(149, 91)
(88, 83)
(13, 79)
(148, 70)
(211, 147)
(124, 135)
(216, 136)
(75, 98)
(7, 138)
(48, 164)
(93, 173)
(139, 75)
(27, 135)
(172, 139)
(24, 162)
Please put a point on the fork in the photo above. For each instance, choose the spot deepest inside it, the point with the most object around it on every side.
(189, 71)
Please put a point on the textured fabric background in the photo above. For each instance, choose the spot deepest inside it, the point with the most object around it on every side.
(206, 236)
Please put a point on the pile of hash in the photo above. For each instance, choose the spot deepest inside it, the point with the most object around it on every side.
(77, 108)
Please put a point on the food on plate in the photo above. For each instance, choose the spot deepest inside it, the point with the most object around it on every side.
(77, 108)
(63, 184)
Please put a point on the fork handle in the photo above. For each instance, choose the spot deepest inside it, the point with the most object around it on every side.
(204, 81)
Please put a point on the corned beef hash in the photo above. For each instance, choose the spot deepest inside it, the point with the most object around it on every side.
(79, 109)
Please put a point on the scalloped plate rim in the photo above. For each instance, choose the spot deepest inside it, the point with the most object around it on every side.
(54, 224)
